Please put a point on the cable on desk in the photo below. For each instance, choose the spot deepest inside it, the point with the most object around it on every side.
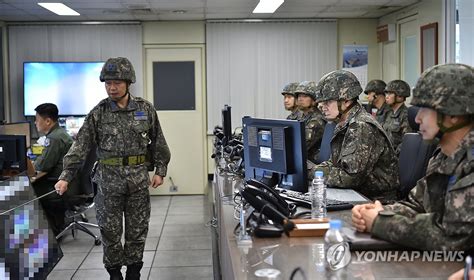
(296, 270)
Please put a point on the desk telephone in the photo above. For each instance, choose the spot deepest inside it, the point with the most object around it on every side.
(265, 199)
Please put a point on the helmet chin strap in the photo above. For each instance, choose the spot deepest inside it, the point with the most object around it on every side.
(339, 108)
(444, 129)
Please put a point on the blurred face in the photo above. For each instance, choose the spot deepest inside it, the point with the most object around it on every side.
(390, 98)
(305, 101)
(329, 109)
(371, 97)
(116, 89)
(42, 124)
(427, 119)
(290, 102)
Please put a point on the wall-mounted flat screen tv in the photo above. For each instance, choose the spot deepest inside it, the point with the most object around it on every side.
(73, 86)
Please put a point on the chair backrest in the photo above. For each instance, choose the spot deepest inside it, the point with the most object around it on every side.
(325, 150)
(412, 111)
(413, 161)
(82, 185)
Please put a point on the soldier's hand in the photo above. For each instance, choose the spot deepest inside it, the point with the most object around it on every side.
(459, 275)
(61, 187)
(357, 220)
(156, 181)
(369, 214)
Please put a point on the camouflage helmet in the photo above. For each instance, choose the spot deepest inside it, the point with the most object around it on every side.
(118, 68)
(399, 87)
(289, 89)
(377, 86)
(308, 88)
(447, 88)
(338, 85)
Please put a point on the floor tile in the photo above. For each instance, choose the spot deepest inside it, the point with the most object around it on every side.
(183, 258)
(185, 242)
(70, 261)
(182, 273)
(186, 230)
(185, 219)
(61, 274)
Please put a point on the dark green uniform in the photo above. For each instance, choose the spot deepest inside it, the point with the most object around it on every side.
(314, 129)
(381, 115)
(396, 125)
(123, 137)
(57, 143)
(295, 115)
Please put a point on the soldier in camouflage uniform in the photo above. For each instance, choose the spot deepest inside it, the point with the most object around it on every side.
(438, 214)
(125, 128)
(375, 91)
(289, 100)
(362, 157)
(396, 124)
(312, 117)
(50, 163)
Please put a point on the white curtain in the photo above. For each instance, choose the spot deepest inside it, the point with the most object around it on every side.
(70, 43)
(248, 63)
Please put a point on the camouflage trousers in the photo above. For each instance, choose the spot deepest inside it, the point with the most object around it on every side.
(111, 207)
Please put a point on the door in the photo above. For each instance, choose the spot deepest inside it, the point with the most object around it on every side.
(409, 52)
(184, 128)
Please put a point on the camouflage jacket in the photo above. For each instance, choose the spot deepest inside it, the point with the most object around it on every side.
(314, 129)
(438, 214)
(362, 157)
(381, 115)
(57, 143)
(134, 130)
(295, 115)
(396, 125)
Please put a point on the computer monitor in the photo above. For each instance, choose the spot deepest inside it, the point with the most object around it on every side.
(13, 153)
(275, 152)
(226, 124)
(71, 124)
(19, 128)
(28, 248)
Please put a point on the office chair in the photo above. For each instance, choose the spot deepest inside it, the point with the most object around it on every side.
(414, 156)
(83, 200)
(325, 149)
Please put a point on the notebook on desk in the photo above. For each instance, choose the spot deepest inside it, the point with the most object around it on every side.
(346, 195)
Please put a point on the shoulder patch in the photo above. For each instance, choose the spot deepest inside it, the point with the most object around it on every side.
(46, 142)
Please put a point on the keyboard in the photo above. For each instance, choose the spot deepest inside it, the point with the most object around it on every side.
(304, 200)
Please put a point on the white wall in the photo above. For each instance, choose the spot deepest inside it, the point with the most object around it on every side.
(425, 12)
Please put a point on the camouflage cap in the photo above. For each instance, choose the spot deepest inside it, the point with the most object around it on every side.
(119, 68)
(307, 88)
(399, 87)
(338, 85)
(377, 86)
(289, 89)
(447, 88)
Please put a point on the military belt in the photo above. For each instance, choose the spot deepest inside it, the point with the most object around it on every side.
(123, 161)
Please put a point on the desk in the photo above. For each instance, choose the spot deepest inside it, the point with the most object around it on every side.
(285, 254)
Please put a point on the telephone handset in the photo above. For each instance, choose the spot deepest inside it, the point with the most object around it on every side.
(258, 195)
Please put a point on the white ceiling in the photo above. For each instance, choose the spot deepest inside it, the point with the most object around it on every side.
(145, 10)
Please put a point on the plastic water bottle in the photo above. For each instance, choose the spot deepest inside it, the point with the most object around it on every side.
(318, 196)
(338, 253)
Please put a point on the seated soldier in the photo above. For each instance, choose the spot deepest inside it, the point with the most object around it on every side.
(289, 101)
(362, 157)
(312, 117)
(396, 123)
(50, 163)
(375, 91)
(438, 214)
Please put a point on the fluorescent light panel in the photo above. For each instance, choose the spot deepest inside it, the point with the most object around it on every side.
(59, 9)
(267, 6)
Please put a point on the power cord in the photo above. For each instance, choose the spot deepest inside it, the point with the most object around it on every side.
(296, 270)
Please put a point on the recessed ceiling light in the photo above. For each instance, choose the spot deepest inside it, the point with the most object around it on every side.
(178, 11)
(267, 6)
(59, 9)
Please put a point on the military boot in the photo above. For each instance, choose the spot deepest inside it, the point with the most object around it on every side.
(133, 271)
(115, 273)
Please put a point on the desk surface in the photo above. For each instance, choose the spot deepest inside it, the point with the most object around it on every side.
(285, 254)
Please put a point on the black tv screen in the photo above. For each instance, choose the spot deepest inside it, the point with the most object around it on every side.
(73, 86)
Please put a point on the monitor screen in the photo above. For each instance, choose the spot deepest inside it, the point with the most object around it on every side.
(275, 152)
(13, 153)
(20, 128)
(73, 86)
(28, 247)
(71, 124)
(227, 124)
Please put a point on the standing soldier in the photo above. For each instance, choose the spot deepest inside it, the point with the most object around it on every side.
(396, 124)
(289, 100)
(362, 157)
(125, 129)
(312, 117)
(438, 214)
(375, 91)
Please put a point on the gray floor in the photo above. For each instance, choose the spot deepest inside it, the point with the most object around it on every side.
(178, 244)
